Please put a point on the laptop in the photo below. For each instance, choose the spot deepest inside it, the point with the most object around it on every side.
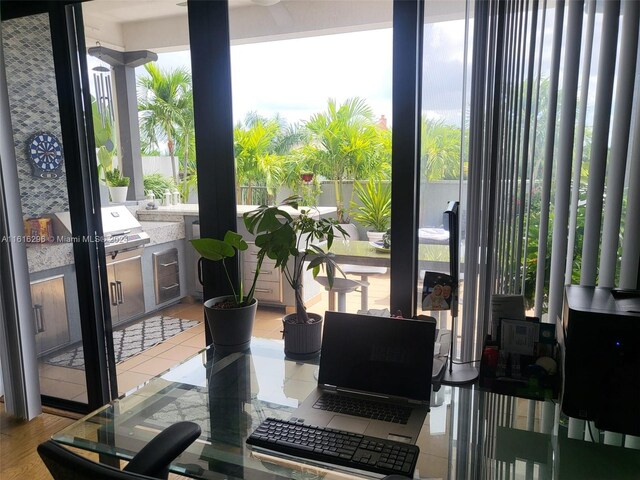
(374, 377)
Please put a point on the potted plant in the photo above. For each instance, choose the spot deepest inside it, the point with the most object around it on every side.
(118, 185)
(290, 240)
(374, 209)
(230, 317)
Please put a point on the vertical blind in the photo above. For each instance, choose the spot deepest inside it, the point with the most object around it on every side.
(554, 154)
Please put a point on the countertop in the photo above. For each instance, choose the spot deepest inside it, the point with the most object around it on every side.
(177, 212)
(163, 225)
(46, 256)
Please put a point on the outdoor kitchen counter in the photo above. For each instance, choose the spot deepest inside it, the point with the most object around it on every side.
(45, 256)
(175, 213)
(163, 232)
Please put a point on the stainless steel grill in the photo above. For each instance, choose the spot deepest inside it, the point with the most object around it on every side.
(122, 231)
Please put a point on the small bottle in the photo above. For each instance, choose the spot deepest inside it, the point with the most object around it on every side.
(175, 197)
(167, 197)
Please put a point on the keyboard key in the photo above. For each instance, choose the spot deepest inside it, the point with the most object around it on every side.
(334, 446)
(387, 412)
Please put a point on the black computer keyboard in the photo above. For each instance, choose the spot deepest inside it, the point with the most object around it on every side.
(363, 408)
(334, 446)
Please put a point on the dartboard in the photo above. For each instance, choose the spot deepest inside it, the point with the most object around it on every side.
(45, 154)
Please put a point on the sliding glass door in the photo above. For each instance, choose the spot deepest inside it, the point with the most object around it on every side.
(49, 145)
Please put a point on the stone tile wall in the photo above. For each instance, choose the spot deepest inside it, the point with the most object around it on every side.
(34, 107)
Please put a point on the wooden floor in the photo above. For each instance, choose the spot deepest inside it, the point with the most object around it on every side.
(18, 441)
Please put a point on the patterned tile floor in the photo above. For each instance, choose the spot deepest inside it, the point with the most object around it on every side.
(70, 384)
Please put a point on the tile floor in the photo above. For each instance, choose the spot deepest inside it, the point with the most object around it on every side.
(69, 383)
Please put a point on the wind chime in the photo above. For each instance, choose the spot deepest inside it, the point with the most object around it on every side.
(104, 96)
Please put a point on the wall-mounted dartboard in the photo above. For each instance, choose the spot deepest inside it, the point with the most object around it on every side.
(45, 154)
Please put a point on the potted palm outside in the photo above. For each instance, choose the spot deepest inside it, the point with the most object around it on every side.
(374, 210)
(230, 317)
(118, 185)
(292, 241)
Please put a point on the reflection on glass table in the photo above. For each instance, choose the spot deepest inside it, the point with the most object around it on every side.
(469, 433)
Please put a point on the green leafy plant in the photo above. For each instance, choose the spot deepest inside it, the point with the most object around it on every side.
(291, 241)
(374, 210)
(220, 250)
(115, 179)
(105, 159)
(157, 183)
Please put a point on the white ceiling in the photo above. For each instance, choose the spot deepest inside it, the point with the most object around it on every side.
(122, 11)
(162, 25)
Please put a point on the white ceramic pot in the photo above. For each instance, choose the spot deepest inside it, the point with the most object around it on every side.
(375, 236)
(118, 194)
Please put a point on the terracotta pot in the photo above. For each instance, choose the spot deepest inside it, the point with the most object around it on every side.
(302, 341)
(230, 328)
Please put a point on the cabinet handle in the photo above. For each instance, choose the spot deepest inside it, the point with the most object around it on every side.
(200, 279)
(37, 314)
(169, 264)
(120, 294)
(266, 272)
(264, 290)
(171, 286)
(114, 294)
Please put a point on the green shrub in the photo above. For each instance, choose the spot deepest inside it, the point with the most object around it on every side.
(157, 183)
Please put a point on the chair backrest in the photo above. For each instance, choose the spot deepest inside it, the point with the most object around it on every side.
(64, 464)
(151, 462)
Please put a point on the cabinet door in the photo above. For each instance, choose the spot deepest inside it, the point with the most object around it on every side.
(166, 273)
(130, 293)
(50, 314)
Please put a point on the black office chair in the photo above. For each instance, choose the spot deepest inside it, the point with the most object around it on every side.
(151, 463)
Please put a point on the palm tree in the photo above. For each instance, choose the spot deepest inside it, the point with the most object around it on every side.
(164, 99)
(261, 146)
(440, 150)
(185, 144)
(345, 144)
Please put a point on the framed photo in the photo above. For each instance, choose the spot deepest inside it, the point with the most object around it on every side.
(439, 291)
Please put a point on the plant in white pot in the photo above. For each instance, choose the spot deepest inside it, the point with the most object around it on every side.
(230, 317)
(374, 209)
(118, 185)
(291, 239)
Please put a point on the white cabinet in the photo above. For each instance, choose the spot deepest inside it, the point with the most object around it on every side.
(269, 284)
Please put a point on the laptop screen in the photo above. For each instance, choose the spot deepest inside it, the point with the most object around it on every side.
(383, 355)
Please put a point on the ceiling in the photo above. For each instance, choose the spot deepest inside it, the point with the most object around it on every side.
(162, 25)
(122, 11)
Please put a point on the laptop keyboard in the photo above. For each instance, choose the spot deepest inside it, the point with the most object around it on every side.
(335, 446)
(363, 408)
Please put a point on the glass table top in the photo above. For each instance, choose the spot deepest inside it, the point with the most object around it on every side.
(468, 434)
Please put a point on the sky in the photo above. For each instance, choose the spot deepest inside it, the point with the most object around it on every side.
(295, 78)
